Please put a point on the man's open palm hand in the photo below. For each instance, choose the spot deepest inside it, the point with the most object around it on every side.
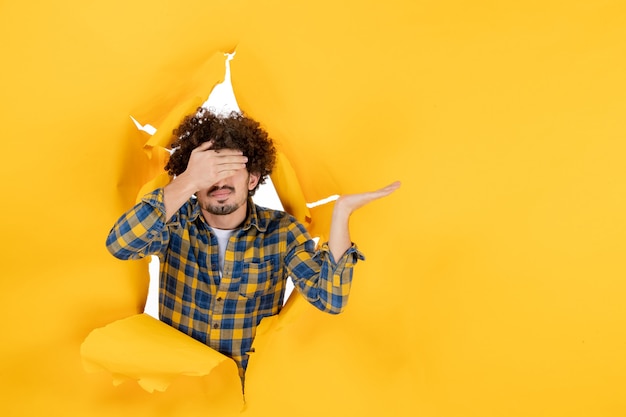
(351, 202)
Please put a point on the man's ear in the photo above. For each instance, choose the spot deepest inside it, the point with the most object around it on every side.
(253, 180)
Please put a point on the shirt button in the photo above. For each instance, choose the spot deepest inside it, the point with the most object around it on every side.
(216, 326)
(219, 299)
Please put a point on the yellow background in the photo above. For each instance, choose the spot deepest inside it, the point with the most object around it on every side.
(494, 284)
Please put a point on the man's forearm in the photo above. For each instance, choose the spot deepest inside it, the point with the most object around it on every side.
(325, 283)
(176, 193)
(339, 238)
(138, 232)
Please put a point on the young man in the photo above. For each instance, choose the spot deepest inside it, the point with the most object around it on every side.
(224, 260)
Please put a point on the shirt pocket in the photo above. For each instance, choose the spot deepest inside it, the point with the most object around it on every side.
(256, 279)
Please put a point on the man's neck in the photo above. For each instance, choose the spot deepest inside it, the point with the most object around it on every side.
(226, 221)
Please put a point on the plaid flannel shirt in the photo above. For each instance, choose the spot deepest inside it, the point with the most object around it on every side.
(223, 312)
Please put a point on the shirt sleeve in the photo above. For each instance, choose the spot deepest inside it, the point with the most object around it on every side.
(322, 280)
(141, 231)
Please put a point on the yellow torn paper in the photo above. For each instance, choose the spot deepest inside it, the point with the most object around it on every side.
(154, 354)
(288, 189)
(494, 281)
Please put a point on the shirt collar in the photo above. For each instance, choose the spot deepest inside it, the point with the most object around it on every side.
(253, 218)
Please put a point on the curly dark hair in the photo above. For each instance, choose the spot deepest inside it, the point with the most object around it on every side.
(231, 131)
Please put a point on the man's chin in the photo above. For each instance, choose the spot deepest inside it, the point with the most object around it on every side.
(221, 209)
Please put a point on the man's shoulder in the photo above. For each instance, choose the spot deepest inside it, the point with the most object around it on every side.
(269, 214)
(272, 218)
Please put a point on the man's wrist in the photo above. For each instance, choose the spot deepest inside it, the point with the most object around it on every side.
(341, 211)
(184, 184)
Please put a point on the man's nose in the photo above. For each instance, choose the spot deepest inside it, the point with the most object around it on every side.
(224, 182)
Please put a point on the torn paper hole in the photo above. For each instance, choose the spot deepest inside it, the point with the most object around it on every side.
(265, 196)
(323, 201)
(134, 348)
(151, 130)
(222, 98)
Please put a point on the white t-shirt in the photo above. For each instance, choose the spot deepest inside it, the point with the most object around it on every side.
(222, 241)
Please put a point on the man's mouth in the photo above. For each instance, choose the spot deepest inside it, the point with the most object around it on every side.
(222, 192)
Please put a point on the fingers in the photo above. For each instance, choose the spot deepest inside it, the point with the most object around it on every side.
(204, 146)
(390, 188)
(207, 166)
(208, 145)
(385, 191)
(221, 167)
(230, 162)
(230, 167)
(351, 202)
(221, 159)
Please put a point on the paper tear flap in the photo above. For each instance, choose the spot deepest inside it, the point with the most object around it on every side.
(150, 352)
